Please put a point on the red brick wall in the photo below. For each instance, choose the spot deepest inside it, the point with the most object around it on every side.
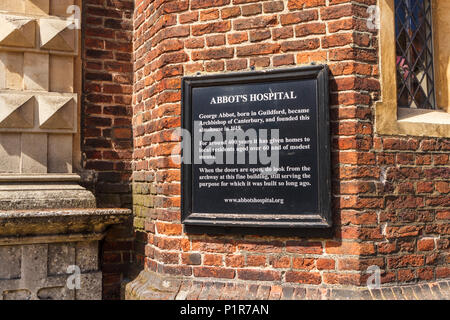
(390, 194)
(106, 123)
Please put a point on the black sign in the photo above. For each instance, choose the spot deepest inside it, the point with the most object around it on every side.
(256, 149)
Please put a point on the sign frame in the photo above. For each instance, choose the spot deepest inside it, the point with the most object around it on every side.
(320, 220)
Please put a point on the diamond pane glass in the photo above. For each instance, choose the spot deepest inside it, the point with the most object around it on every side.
(414, 51)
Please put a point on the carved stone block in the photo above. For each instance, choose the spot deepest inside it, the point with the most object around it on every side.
(10, 153)
(16, 111)
(13, 6)
(34, 7)
(61, 74)
(59, 153)
(13, 255)
(56, 111)
(17, 31)
(86, 257)
(59, 7)
(34, 153)
(40, 272)
(35, 71)
(56, 34)
(60, 257)
(11, 70)
(38, 7)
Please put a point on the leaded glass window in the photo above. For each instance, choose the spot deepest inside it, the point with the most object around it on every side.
(414, 54)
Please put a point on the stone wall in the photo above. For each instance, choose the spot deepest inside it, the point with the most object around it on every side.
(39, 271)
(390, 194)
(53, 254)
(39, 113)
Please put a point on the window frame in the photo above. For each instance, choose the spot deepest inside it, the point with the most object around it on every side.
(389, 118)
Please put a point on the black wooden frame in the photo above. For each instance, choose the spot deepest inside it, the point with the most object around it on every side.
(323, 218)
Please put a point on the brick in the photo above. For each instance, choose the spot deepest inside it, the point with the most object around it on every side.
(214, 41)
(236, 38)
(302, 4)
(283, 60)
(306, 29)
(405, 231)
(211, 14)
(168, 228)
(325, 264)
(300, 45)
(251, 9)
(280, 262)
(336, 12)
(303, 263)
(274, 247)
(212, 260)
(406, 261)
(260, 62)
(342, 279)
(282, 33)
(255, 23)
(188, 17)
(425, 245)
(191, 258)
(333, 247)
(258, 275)
(257, 49)
(337, 40)
(235, 261)
(214, 66)
(308, 57)
(213, 247)
(273, 6)
(200, 4)
(298, 17)
(238, 64)
(213, 54)
(214, 272)
(213, 27)
(231, 12)
(303, 277)
(304, 247)
(256, 261)
(259, 35)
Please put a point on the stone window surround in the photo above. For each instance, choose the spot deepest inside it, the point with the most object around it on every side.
(389, 119)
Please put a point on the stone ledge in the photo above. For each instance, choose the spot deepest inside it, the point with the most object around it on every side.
(37, 195)
(25, 223)
(152, 286)
(49, 177)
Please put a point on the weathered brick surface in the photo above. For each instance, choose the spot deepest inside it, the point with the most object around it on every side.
(149, 286)
(106, 124)
(390, 194)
